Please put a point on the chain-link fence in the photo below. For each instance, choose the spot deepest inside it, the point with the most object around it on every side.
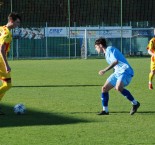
(38, 15)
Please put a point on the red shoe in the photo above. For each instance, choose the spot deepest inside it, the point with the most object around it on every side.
(150, 86)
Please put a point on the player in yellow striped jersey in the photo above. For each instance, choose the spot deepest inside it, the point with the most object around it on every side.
(5, 40)
(151, 51)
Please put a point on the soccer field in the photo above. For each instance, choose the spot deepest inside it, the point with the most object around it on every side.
(62, 98)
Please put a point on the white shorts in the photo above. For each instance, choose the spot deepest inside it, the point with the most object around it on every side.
(114, 78)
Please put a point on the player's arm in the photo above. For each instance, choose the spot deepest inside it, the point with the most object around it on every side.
(150, 48)
(112, 65)
(3, 55)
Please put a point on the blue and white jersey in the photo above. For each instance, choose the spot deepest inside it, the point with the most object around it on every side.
(112, 54)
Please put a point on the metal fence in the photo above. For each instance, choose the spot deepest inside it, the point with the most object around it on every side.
(76, 13)
(131, 41)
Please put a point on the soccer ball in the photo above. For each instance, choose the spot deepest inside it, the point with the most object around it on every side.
(19, 109)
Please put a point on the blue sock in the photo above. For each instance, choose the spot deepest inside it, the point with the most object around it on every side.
(127, 94)
(105, 98)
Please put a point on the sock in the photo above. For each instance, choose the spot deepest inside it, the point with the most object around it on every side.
(150, 77)
(134, 102)
(105, 108)
(127, 94)
(105, 99)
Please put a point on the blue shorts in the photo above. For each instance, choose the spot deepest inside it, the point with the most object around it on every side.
(114, 78)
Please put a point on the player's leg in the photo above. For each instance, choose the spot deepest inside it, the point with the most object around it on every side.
(123, 81)
(5, 78)
(125, 92)
(151, 74)
(6, 81)
(6, 85)
(105, 95)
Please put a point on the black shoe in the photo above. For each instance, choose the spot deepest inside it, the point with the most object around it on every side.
(134, 108)
(103, 113)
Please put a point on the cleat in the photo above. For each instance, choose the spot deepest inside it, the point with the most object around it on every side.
(103, 113)
(150, 86)
(134, 108)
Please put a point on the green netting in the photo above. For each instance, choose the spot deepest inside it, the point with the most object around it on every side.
(90, 13)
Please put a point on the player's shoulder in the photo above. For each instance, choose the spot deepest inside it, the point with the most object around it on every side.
(152, 39)
(111, 49)
(1, 29)
(4, 30)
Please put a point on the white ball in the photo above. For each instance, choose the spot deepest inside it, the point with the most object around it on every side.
(19, 109)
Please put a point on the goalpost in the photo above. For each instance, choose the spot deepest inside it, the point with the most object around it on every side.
(84, 48)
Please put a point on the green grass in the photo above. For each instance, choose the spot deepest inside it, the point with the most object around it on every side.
(62, 98)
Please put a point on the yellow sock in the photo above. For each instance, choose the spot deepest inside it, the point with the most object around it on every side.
(150, 77)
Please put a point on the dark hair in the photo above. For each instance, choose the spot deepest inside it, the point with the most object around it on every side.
(14, 16)
(101, 41)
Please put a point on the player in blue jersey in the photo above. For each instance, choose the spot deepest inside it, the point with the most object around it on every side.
(120, 78)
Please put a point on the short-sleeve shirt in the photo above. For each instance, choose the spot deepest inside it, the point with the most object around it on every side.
(151, 47)
(5, 38)
(112, 54)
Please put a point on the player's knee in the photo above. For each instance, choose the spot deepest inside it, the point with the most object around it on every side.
(7, 85)
(104, 89)
(118, 88)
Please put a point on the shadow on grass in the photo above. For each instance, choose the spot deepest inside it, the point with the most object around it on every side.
(116, 112)
(138, 112)
(58, 86)
(33, 118)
